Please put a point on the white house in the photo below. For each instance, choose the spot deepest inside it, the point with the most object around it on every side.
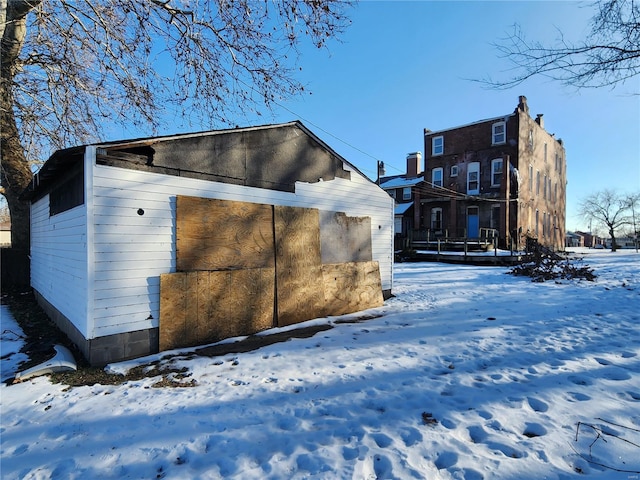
(110, 220)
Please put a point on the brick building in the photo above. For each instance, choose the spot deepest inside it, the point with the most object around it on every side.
(504, 176)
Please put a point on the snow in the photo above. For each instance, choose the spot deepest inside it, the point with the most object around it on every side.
(468, 373)
(400, 181)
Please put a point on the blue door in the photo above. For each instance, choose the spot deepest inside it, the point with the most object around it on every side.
(473, 222)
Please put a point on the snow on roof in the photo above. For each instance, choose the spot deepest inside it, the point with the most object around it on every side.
(399, 181)
(401, 208)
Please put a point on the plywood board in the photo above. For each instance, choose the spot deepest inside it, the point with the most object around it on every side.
(298, 272)
(172, 309)
(203, 307)
(344, 238)
(297, 237)
(351, 287)
(223, 234)
(250, 302)
(299, 295)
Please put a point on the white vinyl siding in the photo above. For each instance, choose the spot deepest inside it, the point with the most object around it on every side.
(131, 251)
(59, 260)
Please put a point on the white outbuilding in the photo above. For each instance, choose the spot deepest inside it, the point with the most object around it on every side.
(145, 245)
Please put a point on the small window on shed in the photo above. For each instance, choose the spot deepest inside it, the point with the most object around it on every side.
(67, 195)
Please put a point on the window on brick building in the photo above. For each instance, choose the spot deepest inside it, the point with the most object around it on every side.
(496, 172)
(498, 133)
(473, 178)
(406, 193)
(436, 219)
(437, 145)
(436, 177)
(531, 178)
(454, 171)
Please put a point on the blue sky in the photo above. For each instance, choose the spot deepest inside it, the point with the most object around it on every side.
(405, 66)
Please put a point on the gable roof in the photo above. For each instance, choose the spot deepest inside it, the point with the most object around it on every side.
(139, 152)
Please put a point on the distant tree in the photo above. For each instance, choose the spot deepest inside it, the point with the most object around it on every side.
(609, 55)
(4, 212)
(609, 209)
(69, 67)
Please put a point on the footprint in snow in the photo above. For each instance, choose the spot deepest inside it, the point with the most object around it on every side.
(382, 467)
(580, 397)
(411, 436)
(580, 380)
(617, 375)
(446, 460)
(477, 434)
(630, 396)
(382, 440)
(484, 414)
(21, 449)
(532, 430)
(537, 405)
(349, 453)
(602, 361)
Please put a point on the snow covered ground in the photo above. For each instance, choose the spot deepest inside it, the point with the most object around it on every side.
(468, 373)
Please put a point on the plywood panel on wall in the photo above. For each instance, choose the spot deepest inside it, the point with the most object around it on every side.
(298, 271)
(203, 307)
(351, 287)
(254, 266)
(297, 237)
(344, 238)
(223, 234)
(299, 295)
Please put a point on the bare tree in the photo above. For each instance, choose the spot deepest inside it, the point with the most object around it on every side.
(609, 209)
(70, 67)
(610, 55)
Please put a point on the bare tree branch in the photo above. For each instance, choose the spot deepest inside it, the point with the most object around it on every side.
(609, 56)
(70, 68)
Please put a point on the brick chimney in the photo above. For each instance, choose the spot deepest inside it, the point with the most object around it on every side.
(414, 164)
(540, 120)
(522, 104)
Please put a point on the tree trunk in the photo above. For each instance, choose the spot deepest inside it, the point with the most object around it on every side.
(613, 240)
(16, 173)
